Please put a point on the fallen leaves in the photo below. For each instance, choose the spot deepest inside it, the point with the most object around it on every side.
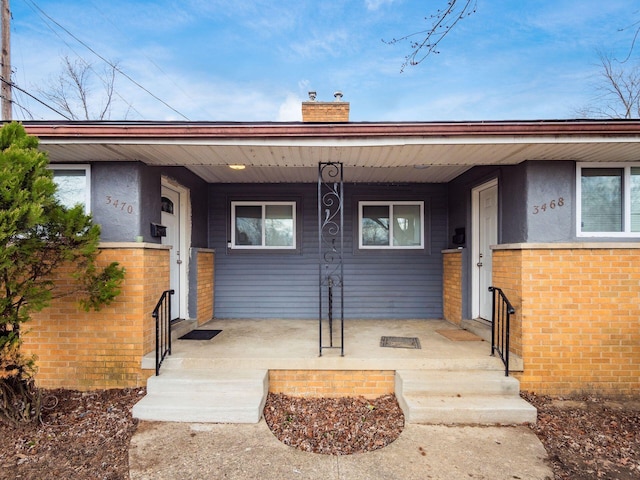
(334, 426)
(86, 435)
(83, 435)
(589, 438)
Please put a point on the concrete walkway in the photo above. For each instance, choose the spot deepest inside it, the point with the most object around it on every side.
(185, 451)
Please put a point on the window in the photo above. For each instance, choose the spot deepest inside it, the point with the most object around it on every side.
(73, 182)
(609, 200)
(398, 225)
(166, 205)
(263, 225)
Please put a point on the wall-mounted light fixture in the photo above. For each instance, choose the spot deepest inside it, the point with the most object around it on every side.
(237, 167)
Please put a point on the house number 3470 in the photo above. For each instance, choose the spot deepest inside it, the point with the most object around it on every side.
(551, 205)
(119, 204)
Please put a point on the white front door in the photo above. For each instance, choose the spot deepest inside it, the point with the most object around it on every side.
(170, 218)
(485, 234)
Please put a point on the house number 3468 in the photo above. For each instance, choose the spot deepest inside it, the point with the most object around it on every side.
(119, 204)
(551, 205)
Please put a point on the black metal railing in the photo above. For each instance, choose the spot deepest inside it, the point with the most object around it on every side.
(500, 326)
(162, 315)
(330, 253)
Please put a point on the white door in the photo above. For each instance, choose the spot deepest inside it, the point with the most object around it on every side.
(485, 234)
(170, 218)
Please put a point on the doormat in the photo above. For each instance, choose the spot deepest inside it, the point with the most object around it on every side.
(200, 335)
(460, 335)
(400, 342)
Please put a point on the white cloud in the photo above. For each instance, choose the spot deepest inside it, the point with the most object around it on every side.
(210, 98)
(333, 43)
(290, 110)
(253, 61)
(376, 4)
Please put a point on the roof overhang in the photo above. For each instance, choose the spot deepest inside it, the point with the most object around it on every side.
(370, 152)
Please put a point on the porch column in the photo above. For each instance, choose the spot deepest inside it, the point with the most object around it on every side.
(97, 350)
(577, 309)
(452, 285)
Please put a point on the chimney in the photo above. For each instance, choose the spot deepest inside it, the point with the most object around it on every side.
(325, 112)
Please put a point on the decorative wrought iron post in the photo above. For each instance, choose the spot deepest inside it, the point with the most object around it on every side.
(330, 249)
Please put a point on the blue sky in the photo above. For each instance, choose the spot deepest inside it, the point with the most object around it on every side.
(241, 60)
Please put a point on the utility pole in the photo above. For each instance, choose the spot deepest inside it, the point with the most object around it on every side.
(5, 73)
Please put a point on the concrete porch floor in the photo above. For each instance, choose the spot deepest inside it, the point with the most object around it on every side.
(226, 379)
(293, 344)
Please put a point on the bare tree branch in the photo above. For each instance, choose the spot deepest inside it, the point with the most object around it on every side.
(108, 81)
(442, 22)
(72, 91)
(619, 90)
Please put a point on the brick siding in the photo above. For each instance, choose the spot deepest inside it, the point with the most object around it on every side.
(332, 383)
(452, 286)
(330, 112)
(95, 350)
(577, 324)
(205, 286)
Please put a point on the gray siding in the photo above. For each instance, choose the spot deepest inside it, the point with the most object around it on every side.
(139, 187)
(549, 182)
(116, 200)
(378, 284)
(523, 189)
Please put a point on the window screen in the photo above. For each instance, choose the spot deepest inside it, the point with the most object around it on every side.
(263, 225)
(391, 225)
(602, 199)
(72, 186)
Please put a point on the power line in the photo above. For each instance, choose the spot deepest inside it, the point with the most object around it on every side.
(13, 85)
(111, 64)
(87, 64)
(151, 61)
(25, 110)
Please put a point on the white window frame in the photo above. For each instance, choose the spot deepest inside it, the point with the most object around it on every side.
(626, 200)
(263, 205)
(87, 175)
(391, 204)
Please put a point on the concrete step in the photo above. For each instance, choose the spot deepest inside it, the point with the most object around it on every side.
(437, 382)
(467, 409)
(181, 327)
(231, 382)
(180, 361)
(232, 396)
(461, 397)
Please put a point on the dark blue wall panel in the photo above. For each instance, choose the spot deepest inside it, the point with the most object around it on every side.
(378, 284)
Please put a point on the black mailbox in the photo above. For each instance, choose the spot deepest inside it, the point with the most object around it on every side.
(158, 230)
(458, 238)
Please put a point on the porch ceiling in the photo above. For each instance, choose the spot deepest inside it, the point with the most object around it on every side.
(284, 153)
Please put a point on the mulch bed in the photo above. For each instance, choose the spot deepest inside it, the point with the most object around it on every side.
(334, 426)
(86, 436)
(589, 437)
(83, 435)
